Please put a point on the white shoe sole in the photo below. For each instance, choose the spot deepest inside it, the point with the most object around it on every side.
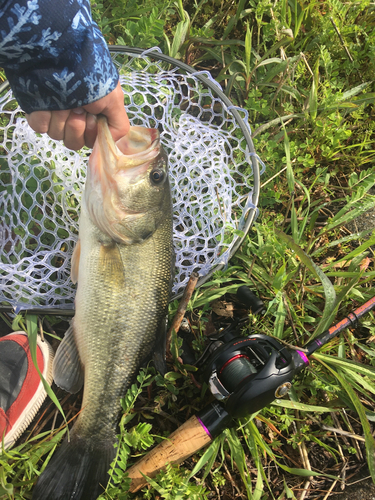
(37, 400)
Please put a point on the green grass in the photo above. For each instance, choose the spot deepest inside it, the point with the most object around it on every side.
(304, 71)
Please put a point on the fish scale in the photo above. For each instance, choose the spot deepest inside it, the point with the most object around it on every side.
(123, 265)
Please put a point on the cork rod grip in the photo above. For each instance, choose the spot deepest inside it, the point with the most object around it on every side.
(180, 445)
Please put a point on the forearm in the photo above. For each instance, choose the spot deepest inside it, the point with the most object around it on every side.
(53, 54)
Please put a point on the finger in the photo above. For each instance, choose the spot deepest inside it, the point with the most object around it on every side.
(56, 129)
(74, 135)
(118, 121)
(91, 130)
(112, 106)
(39, 121)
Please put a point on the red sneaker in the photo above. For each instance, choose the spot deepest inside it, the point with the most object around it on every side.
(21, 390)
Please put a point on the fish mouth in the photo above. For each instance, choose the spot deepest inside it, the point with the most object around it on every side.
(114, 169)
(138, 147)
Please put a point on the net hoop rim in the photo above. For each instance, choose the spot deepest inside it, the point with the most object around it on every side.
(214, 87)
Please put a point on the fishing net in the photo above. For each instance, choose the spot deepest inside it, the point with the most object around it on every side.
(213, 170)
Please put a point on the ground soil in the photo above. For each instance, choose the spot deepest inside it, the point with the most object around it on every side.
(360, 489)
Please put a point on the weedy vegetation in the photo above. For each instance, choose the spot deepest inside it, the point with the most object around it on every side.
(304, 70)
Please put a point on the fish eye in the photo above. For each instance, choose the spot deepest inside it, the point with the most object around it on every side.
(157, 175)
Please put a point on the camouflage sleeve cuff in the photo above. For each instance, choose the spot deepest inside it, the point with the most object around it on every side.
(53, 54)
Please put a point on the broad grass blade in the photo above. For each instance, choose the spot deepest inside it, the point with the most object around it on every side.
(347, 364)
(370, 242)
(348, 213)
(208, 457)
(289, 169)
(211, 295)
(179, 37)
(330, 294)
(233, 21)
(285, 403)
(32, 333)
(258, 490)
(369, 439)
(343, 293)
(248, 48)
(313, 98)
(280, 319)
(304, 472)
(237, 454)
(361, 383)
(289, 493)
(354, 91)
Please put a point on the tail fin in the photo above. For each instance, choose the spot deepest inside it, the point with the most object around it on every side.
(77, 471)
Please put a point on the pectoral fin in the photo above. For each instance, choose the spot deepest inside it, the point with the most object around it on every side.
(67, 366)
(75, 262)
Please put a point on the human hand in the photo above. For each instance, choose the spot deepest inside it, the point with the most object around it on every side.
(78, 127)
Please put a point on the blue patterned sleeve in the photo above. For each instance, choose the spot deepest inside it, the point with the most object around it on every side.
(53, 54)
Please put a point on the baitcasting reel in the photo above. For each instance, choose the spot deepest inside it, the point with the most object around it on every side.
(247, 373)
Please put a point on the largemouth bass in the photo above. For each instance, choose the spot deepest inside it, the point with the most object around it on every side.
(123, 265)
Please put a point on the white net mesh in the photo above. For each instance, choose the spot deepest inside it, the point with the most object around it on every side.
(41, 182)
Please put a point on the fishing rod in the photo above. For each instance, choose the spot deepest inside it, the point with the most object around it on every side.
(244, 375)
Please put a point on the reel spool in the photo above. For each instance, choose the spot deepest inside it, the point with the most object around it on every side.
(214, 174)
